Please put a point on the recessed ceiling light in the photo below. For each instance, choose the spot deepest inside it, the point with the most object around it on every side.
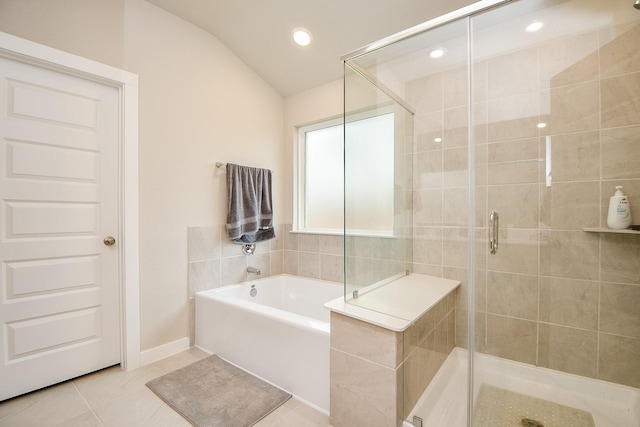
(301, 36)
(438, 139)
(535, 26)
(541, 125)
(438, 52)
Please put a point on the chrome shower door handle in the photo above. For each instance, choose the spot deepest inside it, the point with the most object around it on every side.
(493, 232)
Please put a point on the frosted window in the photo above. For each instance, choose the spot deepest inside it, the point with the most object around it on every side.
(369, 159)
(324, 178)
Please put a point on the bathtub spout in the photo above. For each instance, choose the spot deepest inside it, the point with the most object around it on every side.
(254, 270)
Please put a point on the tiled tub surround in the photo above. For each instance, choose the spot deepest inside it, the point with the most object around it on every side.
(554, 296)
(378, 374)
(215, 261)
(321, 256)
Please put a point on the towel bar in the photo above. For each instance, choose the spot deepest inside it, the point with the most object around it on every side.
(224, 165)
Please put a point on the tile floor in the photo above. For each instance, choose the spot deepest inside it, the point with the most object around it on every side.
(113, 397)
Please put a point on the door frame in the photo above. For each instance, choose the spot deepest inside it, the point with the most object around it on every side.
(17, 49)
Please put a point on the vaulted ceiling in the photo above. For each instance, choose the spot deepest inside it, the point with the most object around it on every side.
(260, 31)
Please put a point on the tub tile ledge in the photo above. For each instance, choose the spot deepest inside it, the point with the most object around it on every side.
(396, 305)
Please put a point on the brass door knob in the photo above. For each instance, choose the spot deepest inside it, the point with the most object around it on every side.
(109, 240)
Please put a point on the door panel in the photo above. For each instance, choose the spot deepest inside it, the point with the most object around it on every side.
(41, 219)
(59, 312)
(45, 103)
(35, 161)
(24, 278)
(26, 337)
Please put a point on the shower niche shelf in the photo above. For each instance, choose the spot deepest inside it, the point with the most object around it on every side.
(610, 231)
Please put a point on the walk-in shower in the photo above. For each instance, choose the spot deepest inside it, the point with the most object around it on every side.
(530, 109)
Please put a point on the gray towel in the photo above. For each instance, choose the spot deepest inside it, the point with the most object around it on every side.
(249, 212)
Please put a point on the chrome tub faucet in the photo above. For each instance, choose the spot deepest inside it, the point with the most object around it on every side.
(254, 270)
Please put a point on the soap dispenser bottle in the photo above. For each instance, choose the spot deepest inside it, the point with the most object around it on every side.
(619, 216)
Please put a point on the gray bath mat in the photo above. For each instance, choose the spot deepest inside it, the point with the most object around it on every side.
(214, 393)
(496, 407)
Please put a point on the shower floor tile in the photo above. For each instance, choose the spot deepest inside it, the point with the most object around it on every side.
(610, 405)
(497, 407)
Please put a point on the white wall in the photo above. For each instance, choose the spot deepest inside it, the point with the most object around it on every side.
(89, 28)
(307, 107)
(198, 104)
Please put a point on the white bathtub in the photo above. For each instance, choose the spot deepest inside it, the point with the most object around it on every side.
(281, 335)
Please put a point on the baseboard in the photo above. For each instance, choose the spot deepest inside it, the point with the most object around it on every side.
(165, 350)
(202, 349)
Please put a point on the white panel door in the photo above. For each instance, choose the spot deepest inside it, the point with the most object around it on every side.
(59, 312)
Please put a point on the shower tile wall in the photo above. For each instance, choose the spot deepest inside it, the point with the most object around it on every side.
(554, 295)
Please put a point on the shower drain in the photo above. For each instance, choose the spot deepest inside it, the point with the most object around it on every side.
(528, 422)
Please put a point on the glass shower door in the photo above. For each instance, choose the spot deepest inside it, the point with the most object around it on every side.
(556, 114)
